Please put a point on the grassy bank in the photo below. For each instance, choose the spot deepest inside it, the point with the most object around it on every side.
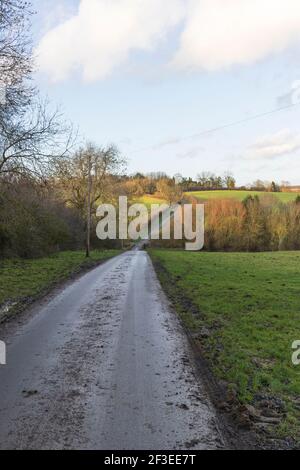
(244, 310)
(23, 280)
(239, 195)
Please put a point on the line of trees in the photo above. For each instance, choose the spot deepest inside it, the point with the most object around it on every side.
(207, 180)
(31, 139)
(158, 184)
(256, 224)
(148, 183)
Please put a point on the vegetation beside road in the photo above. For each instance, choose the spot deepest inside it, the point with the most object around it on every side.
(257, 224)
(24, 280)
(243, 309)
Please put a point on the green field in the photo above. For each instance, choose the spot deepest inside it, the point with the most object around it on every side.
(21, 279)
(246, 309)
(239, 195)
(148, 200)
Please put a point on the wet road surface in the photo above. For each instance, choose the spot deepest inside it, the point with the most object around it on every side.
(104, 364)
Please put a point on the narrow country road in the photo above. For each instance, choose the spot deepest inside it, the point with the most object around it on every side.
(104, 364)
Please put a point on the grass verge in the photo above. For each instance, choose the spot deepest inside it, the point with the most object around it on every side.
(22, 281)
(243, 309)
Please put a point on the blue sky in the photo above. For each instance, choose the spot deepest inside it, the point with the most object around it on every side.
(149, 75)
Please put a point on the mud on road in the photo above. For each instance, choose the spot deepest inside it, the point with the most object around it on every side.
(104, 364)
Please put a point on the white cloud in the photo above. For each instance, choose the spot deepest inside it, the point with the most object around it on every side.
(52, 12)
(273, 146)
(103, 33)
(216, 34)
(222, 33)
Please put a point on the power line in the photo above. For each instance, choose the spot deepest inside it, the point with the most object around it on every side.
(215, 129)
(241, 121)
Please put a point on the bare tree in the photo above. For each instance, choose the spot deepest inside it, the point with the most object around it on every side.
(31, 137)
(229, 181)
(92, 176)
(33, 143)
(169, 191)
(106, 166)
(16, 63)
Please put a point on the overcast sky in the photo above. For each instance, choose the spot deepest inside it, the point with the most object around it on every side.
(152, 75)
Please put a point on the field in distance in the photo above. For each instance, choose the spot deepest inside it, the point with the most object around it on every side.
(148, 200)
(239, 195)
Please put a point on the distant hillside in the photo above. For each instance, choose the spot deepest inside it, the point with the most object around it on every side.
(294, 189)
